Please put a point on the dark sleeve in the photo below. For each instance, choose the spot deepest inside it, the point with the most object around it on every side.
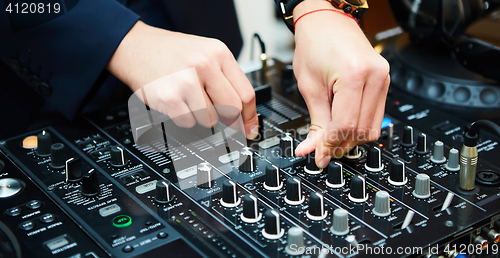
(62, 57)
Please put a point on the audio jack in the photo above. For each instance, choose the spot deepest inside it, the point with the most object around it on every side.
(469, 155)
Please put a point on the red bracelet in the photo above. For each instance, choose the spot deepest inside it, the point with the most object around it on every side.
(320, 10)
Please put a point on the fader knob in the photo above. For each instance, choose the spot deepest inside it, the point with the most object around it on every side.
(163, 193)
(340, 223)
(230, 197)
(354, 153)
(73, 170)
(382, 204)
(90, 184)
(272, 228)
(438, 153)
(397, 173)
(294, 191)
(251, 212)
(311, 167)
(58, 155)
(407, 137)
(287, 146)
(118, 156)
(272, 181)
(316, 209)
(204, 177)
(421, 144)
(358, 189)
(261, 125)
(44, 143)
(295, 241)
(422, 186)
(453, 164)
(247, 160)
(335, 178)
(374, 160)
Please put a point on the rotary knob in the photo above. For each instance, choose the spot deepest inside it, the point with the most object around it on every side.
(247, 160)
(90, 184)
(340, 223)
(453, 164)
(422, 186)
(250, 212)
(358, 189)
(382, 204)
(438, 153)
(407, 137)
(374, 160)
(316, 209)
(287, 146)
(272, 225)
(44, 142)
(163, 193)
(354, 153)
(310, 167)
(272, 181)
(73, 170)
(230, 197)
(58, 155)
(335, 177)
(397, 173)
(261, 125)
(421, 144)
(295, 241)
(204, 176)
(118, 156)
(294, 191)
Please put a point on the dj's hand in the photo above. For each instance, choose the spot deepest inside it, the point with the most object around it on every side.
(343, 80)
(147, 55)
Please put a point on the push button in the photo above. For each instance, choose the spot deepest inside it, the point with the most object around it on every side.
(57, 243)
(162, 234)
(12, 212)
(48, 218)
(128, 249)
(9, 187)
(26, 226)
(122, 221)
(33, 205)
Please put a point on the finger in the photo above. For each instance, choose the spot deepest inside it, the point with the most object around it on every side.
(180, 113)
(224, 97)
(379, 114)
(206, 117)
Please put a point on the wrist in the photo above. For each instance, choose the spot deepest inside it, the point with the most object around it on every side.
(311, 5)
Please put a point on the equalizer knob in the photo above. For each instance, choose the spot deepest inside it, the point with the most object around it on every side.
(421, 144)
(204, 176)
(422, 186)
(44, 142)
(374, 160)
(73, 170)
(316, 209)
(294, 191)
(250, 212)
(354, 153)
(438, 153)
(295, 241)
(163, 193)
(272, 228)
(453, 164)
(407, 137)
(382, 204)
(335, 178)
(58, 155)
(340, 223)
(247, 160)
(287, 146)
(118, 156)
(272, 181)
(310, 167)
(397, 173)
(90, 184)
(230, 197)
(358, 189)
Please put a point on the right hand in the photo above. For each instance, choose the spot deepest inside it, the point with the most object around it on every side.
(147, 54)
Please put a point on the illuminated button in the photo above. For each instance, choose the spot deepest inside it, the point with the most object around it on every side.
(9, 187)
(48, 218)
(12, 212)
(33, 205)
(28, 225)
(122, 221)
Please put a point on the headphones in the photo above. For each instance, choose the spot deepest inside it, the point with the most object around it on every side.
(442, 22)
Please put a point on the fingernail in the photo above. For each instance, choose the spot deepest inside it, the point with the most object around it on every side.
(254, 132)
(301, 145)
(324, 162)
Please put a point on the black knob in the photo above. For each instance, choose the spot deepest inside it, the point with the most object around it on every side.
(251, 212)
(272, 228)
(58, 155)
(261, 125)
(73, 170)
(335, 177)
(311, 167)
(358, 189)
(272, 182)
(44, 142)
(287, 146)
(294, 191)
(397, 173)
(407, 137)
(90, 184)
(316, 209)
(374, 160)
(421, 144)
(204, 177)
(118, 156)
(230, 197)
(247, 160)
(163, 192)
(354, 153)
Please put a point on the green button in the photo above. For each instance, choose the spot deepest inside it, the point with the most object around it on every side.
(122, 221)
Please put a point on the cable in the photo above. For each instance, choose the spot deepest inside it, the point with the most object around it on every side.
(471, 136)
